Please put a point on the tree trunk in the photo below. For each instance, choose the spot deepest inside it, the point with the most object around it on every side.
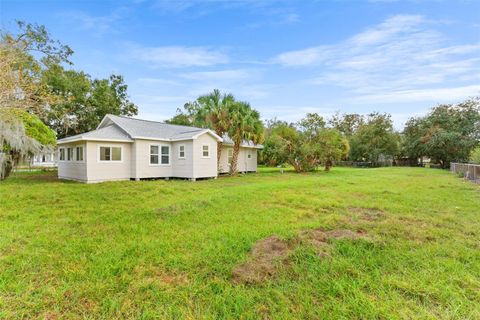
(233, 164)
(328, 165)
(219, 154)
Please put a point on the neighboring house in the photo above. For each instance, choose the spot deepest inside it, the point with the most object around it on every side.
(124, 148)
(47, 159)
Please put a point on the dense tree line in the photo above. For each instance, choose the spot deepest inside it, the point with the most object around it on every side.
(449, 132)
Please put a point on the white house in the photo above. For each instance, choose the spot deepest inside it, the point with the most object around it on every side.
(124, 148)
(45, 160)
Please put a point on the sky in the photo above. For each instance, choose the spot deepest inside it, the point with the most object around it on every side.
(286, 57)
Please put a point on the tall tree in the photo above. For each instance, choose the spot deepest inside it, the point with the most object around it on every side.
(214, 110)
(23, 56)
(84, 102)
(245, 125)
(346, 123)
(448, 133)
(375, 139)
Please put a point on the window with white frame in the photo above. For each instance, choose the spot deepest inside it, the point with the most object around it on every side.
(79, 153)
(159, 155)
(165, 154)
(110, 153)
(62, 154)
(69, 154)
(229, 155)
(206, 151)
(154, 154)
(181, 151)
(249, 154)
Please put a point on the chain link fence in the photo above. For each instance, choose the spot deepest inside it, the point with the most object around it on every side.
(466, 170)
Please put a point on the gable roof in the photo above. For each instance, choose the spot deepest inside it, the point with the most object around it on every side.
(107, 133)
(246, 144)
(118, 128)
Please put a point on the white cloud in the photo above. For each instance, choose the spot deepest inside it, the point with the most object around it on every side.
(97, 25)
(449, 94)
(400, 59)
(180, 56)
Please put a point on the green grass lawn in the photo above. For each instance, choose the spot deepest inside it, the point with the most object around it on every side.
(166, 249)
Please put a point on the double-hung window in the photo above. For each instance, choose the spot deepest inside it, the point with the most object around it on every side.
(165, 154)
(154, 154)
(62, 154)
(159, 154)
(79, 153)
(181, 151)
(110, 153)
(70, 154)
(205, 151)
(229, 156)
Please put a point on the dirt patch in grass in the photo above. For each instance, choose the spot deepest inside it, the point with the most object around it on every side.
(44, 177)
(262, 263)
(268, 254)
(369, 214)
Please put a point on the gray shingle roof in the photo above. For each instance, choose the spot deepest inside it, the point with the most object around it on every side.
(137, 128)
(110, 132)
(126, 129)
(228, 141)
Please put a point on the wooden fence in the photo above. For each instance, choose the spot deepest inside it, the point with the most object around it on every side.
(469, 171)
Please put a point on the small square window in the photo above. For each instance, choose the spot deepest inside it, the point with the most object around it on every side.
(105, 153)
(181, 152)
(116, 154)
(205, 151)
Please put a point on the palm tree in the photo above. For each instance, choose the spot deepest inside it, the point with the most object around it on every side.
(245, 125)
(215, 112)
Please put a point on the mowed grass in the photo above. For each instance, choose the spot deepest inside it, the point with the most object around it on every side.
(166, 249)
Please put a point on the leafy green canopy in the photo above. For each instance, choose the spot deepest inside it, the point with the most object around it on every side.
(375, 139)
(475, 155)
(21, 134)
(34, 127)
(304, 145)
(68, 101)
(448, 133)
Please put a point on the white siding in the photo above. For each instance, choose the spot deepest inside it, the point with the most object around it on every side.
(182, 168)
(143, 168)
(244, 164)
(72, 170)
(205, 167)
(98, 171)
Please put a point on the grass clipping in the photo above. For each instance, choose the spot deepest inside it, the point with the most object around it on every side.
(268, 254)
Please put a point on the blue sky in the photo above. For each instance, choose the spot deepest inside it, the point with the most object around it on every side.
(286, 58)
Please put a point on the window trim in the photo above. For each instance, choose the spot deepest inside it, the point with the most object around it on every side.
(228, 156)
(111, 154)
(83, 153)
(206, 145)
(68, 159)
(160, 164)
(60, 151)
(184, 152)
